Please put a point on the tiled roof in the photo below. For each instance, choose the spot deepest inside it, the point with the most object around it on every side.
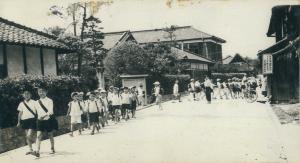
(235, 58)
(181, 33)
(11, 32)
(186, 55)
(111, 39)
(227, 60)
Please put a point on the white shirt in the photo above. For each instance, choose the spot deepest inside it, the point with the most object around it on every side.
(116, 99)
(48, 103)
(175, 89)
(126, 98)
(219, 85)
(105, 102)
(26, 114)
(93, 106)
(207, 83)
(157, 91)
(192, 84)
(75, 108)
(197, 84)
(140, 91)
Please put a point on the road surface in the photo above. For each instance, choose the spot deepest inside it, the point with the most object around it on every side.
(191, 131)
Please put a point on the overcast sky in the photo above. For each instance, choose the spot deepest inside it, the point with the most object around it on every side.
(242, 23)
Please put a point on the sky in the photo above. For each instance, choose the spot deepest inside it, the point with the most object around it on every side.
(242, 23)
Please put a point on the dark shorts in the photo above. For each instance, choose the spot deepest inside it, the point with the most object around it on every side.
(84, 118)
(133, 105)
(28, 123)
(243, 87)
(110, 108)
(94, 117)
(126, 106)
(45, 125)
(116, 107)
(198, 89)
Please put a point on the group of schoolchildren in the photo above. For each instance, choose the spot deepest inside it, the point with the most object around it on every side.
(92, 113)
(223, 89)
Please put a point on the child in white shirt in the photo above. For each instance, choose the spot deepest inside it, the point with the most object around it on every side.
(75, 111)
(27, 118)
(93, 108)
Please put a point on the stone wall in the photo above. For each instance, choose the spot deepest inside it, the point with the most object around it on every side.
(14, 137)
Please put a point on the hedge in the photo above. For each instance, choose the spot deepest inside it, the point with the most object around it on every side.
(59, 90)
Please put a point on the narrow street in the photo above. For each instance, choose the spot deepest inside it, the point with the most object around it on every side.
(225, 131)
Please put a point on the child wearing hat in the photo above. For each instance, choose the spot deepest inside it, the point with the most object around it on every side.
(104, 101)
(134, 101)
(27, 118)
(116, 104)
(75, 111)
(93, 108)
(126, 101)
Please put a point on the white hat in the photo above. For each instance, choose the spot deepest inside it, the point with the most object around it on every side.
(102, 91)
(74, 94)
(156, 83)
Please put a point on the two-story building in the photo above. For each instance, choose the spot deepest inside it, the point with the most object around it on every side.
(200, 50)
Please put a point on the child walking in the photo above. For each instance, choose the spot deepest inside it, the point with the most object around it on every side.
(134, 101)
(27, 118)
(116, 104)
(126, 100)
(75, 111)
(94, 111)
(46, 122)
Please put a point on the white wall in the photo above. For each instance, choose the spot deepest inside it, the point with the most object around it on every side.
(15, 64)
(33, 61)
(49, 62)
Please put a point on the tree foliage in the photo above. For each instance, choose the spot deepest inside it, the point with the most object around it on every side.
(131, 58)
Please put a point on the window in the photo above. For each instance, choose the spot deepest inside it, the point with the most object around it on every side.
(2, 66)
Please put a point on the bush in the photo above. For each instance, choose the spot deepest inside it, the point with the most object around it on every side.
(167, 82)
(59, 90)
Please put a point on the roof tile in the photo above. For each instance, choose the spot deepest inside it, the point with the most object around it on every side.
(11, 32)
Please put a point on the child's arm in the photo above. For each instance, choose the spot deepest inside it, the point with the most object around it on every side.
(19, 118)
(69, 109)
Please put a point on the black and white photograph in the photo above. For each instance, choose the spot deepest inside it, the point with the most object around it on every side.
(149, 81)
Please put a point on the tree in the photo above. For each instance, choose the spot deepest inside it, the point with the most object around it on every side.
(131, 58)
(79, 12)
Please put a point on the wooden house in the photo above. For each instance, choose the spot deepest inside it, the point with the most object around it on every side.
(24, 50)
(280, 62)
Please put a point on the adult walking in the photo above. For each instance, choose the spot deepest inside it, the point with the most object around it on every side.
(141, 95)
(157, 94)
(208, 89)
(191, 87)
(176, 91)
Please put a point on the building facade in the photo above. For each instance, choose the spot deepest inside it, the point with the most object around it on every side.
(280, 62)
(196, 48)
(24, 50)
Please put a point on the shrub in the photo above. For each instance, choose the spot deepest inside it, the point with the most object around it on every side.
(59, 90)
